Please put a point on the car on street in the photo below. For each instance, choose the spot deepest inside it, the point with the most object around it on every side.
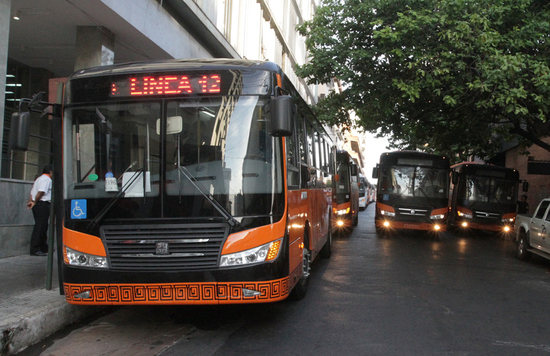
(532, 232)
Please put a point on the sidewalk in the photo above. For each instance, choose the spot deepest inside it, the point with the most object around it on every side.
(29, 312)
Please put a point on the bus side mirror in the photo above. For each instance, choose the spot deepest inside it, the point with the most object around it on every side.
(525, 186)
(20, 131)
(454, 177)
(375, 173)
(282, 115)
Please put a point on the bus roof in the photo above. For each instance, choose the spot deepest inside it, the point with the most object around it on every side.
(480, 166)
(176, 64)
(405, 153)
(212, 64)
(414, 158)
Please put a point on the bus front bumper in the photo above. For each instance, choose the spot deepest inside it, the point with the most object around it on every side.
(391, 224)
(504, 228)
(178, 293)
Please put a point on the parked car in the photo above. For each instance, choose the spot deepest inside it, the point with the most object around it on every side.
(532, 233)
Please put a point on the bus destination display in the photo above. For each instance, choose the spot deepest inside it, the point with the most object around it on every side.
(172, 84)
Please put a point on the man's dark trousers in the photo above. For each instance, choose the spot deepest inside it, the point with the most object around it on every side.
(39, 237)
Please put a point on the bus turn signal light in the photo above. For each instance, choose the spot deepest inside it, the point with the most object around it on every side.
(273, 250)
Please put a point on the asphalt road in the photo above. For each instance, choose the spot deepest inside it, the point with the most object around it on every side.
(407, 294)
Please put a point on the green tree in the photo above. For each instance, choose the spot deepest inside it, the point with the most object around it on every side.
(456, 76)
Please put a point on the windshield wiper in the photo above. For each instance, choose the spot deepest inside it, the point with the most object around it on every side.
(427, 197)
(226, 215)
(93, 224)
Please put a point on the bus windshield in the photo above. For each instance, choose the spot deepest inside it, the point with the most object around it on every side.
(186, 149)
(489, 190)
(343, 183)
(411, 181)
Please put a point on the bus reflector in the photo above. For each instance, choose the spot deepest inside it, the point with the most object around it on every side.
(250, 293)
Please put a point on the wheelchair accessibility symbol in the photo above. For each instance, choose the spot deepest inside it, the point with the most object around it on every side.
(78, 209)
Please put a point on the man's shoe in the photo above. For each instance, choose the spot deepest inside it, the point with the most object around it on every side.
(40, 253)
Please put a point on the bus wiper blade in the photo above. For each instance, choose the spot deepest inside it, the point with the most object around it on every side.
(427, 197)
(227, 216)
(93, 224)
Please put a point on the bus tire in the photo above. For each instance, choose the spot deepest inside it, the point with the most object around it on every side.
(300, 289)
(326, 251)
(522, 247)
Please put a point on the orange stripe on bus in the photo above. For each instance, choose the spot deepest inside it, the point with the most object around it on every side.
(178, 293)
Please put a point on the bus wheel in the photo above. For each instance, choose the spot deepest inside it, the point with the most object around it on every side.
(326, 251)
(300, 289)
(522, 252)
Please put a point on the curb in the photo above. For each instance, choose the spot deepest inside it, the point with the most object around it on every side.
(18, 333)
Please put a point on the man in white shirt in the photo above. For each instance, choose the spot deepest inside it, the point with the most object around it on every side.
(39, 202)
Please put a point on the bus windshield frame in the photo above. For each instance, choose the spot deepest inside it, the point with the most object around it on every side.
(112, 145)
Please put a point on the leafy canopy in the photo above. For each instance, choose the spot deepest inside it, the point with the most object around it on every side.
(459, 77)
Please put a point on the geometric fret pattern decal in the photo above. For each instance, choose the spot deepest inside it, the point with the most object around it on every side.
(178, 293)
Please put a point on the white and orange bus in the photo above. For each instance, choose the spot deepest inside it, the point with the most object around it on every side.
(191, 182)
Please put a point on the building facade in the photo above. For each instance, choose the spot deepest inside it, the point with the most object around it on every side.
(43, 42)
(534, 168)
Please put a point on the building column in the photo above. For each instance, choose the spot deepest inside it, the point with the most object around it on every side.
(5, 18)
(95, 46)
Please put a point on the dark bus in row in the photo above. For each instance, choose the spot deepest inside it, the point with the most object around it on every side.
(412, 191)
(483, 197)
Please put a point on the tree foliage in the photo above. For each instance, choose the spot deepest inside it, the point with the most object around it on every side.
(458, 76)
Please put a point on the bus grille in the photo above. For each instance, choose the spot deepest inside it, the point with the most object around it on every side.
(413, 212)
(487, 215)
(164, 247)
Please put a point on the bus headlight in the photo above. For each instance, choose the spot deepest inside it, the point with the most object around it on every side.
(263, 253)
(77, 258)
(437, 217)
(510, 220)
(465, 215)
(343, 211)
(387, 213)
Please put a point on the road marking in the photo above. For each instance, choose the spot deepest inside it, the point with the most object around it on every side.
(545, 348)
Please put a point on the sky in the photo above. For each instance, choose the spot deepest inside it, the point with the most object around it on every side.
(374, 148)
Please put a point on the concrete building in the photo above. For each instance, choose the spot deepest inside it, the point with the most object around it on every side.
(533, 168)
(43, 42)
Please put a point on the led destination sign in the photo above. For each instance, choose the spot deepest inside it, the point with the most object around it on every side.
(171, 84)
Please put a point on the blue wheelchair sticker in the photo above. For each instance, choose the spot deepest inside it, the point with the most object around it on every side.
(78, 209)
(386, 197)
